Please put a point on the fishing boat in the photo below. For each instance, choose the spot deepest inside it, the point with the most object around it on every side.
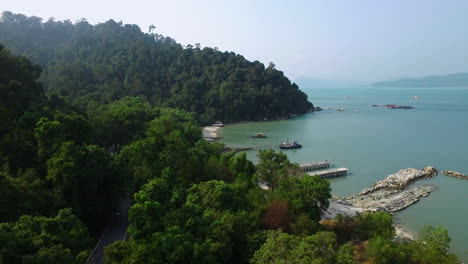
(259, 135)
(290, 145)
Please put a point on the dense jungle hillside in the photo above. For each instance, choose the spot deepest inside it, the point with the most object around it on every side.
(109, 61)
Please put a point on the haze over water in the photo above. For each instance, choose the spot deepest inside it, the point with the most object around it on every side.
(376, 142)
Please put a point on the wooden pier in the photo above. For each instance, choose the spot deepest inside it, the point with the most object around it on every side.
(330, 173)
(315, 165)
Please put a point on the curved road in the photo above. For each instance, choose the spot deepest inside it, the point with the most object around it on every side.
(116, 230)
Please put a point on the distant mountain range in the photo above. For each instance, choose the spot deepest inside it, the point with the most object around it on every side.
(310, 82)
(451, 80)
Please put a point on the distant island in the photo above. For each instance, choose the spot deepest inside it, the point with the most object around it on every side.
(451, 80)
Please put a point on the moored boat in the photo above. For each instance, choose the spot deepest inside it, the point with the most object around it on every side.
(391, 106)
(259, 135)
(218, 124)
(290, 145)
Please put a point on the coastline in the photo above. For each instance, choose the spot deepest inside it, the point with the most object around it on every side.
(335, 208)
(212, 133)
(402, 232)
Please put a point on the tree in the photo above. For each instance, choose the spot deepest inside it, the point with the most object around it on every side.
(283, 248)
(345, 254)
(85, 178)
(277, 216)
(308, 194)
(49, 137)
(433, 247)
(369, 225)
(213, 194)
(119, 122)
(276, 249)
(272, 167)
(43, 240)
(318, 248)
(303, 224)
(384, 251)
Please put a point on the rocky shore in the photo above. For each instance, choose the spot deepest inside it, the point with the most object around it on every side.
(391, 194)
(455, 174)
(400, 180)
(388, 200)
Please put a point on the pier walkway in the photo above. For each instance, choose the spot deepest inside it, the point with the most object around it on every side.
(330, 173)
(315, 165)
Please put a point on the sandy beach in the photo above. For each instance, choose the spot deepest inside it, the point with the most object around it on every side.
(211, 132)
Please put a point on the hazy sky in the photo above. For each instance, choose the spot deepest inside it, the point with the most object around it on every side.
(333, 39)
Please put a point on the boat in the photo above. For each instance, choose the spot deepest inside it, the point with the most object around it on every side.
(259, 135)
(415, 97)
(340, 109)
(391, 106)
(290, 145)
(374, 105)
(218, 124)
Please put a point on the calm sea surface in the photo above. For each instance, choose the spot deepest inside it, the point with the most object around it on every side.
(374, 142)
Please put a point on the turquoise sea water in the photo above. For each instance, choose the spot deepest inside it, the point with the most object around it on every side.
(376, 142)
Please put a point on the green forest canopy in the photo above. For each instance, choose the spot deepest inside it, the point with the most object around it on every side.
(109, 61)
(59, 180)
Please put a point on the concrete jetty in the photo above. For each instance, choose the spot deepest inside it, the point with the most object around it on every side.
(330, 173)
(315, 165)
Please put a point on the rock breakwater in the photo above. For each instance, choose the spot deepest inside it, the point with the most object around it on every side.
(392, 193)
(400, 180)
(389, 200)
(455, 174)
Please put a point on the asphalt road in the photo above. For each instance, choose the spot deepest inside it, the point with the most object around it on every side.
(116, 230)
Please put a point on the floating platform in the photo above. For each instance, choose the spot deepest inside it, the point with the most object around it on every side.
(315, 165)
(330, 173)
